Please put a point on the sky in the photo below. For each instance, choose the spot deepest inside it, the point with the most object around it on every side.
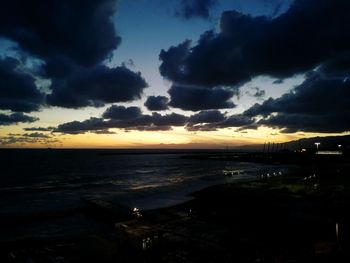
(172, 74)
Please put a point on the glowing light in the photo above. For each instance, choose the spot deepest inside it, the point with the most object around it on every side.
(337, 231)
(317, 145)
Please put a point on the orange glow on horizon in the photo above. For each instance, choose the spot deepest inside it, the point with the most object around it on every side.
(176, 138)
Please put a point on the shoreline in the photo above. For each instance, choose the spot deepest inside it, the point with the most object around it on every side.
(271, 219)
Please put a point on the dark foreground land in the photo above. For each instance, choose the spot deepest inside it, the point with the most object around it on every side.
(300, 217)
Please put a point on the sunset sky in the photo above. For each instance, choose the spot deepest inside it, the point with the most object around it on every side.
(172, 74)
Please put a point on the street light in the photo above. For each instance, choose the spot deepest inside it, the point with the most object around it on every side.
(317, 145)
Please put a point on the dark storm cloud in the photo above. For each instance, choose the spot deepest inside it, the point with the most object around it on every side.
(237, 120)
(338, 67)
(15, 118)
(319, 104)
(309, 33)
(256, 92)
(172, 119)
(172, 58)
(71, 39)
(41, 129)
(198, 98)
(290, 123)
(58, 68)
(153, 122)
(96, 86)
(205, 120)
(150, 128)
(202, 121)
(195, 8)
(316, 95)
(121, 113)
(259, 93)
(36, 135)
(278, 81)
(277, 6)
(157, 103)
(201, 127)
(208, 116)
(206, 64)
(80, 30)
(77, 127)
(18, 91)
(249, 126)
(124, 118)
(28, 138)
(106, 131)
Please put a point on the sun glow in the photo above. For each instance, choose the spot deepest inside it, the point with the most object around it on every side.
(177, 138)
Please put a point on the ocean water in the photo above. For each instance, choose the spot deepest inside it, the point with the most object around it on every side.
(41, 190)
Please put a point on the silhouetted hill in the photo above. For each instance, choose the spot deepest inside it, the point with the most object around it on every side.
(326, 143)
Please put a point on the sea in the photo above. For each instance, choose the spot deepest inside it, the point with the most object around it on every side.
(41, 190)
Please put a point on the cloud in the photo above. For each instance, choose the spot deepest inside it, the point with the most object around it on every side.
(36, 135)
(71, 39)
(316, 95)
(277, 6)
(338, 67)
(121, 113)
(119, 117)
(256, 92)
(81, 31)
(172, 119)
(206, 64)
(205, 120)
(31, 138)
(150, 128)
(278, 81)
(41, 129)
(15, 118)
(300, 39)
(291, 123)
(251, 125)
(157, 103)
(124, 118)
(263, 109)
(106, 131)
(195, 8)
(96, 86)
(77, 127)
(237, 120)
(199, 98)
(319, 104)
(208, 116)
(18, 91)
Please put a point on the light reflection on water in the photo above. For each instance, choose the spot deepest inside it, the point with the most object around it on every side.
(87, 173)
(60, 179)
